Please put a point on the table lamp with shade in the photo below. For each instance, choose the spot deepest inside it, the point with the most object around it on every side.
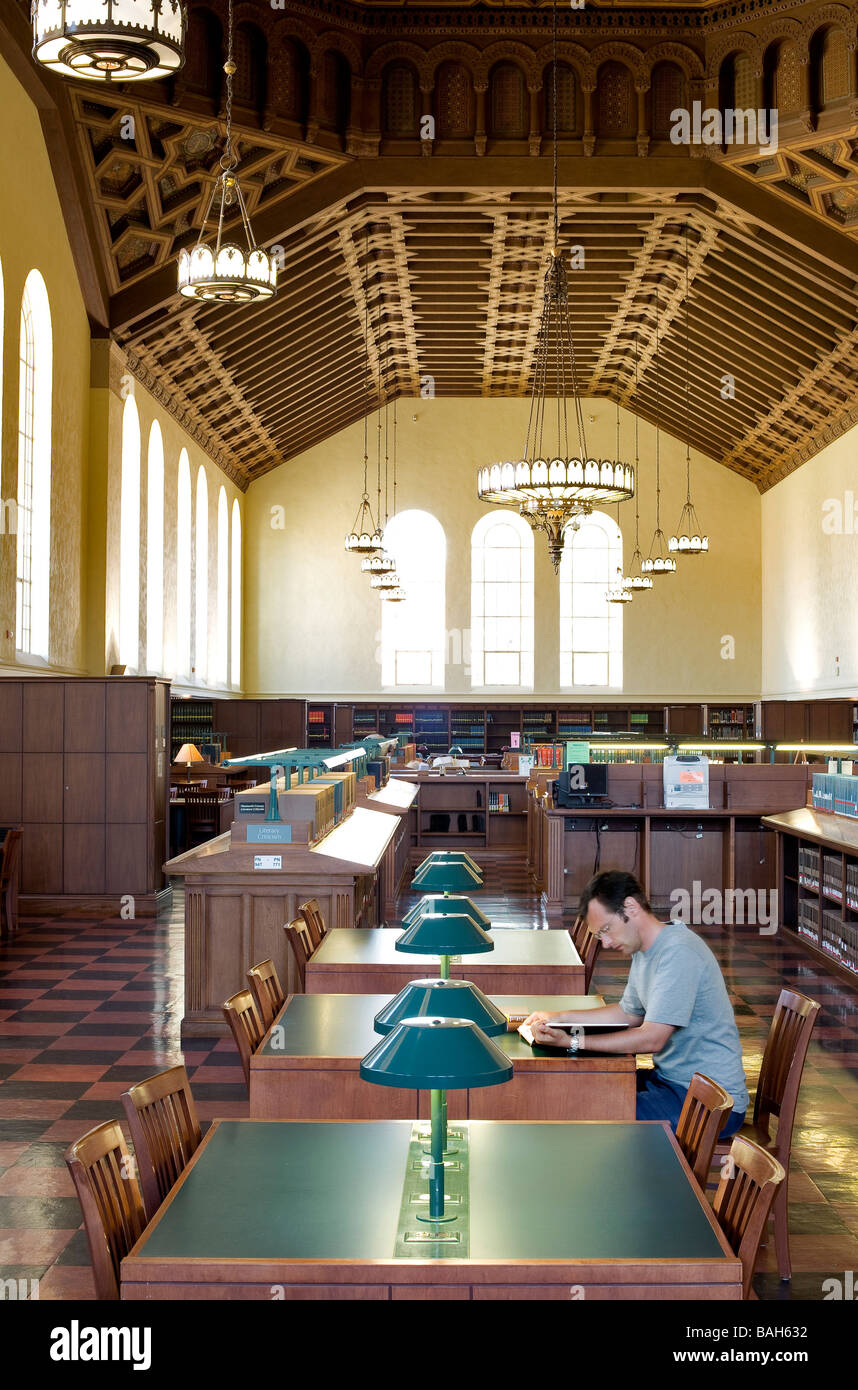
(445, 873)
(187, 754)
(434, 1054)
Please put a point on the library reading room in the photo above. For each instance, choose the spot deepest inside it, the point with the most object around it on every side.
(429, 656)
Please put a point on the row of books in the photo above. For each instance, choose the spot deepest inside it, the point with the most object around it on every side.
(835, 792)
(499, 802)
(808, 866)
(852, 885)
(840, 939)
(832, 876)
(808, 920)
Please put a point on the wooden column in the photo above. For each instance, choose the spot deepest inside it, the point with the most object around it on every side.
(535, 137)
(588, 88)
(643, 133)
(480, 133)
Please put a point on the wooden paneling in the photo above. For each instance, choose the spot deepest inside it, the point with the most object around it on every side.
(83, 788)
(126, 867)
(84, 716)
(127, 717)
(127, 787)
(685, 721)
(42, 859)
(83, 859)
(42, 790)
(43, 717)
(10, 788)
(11, 716)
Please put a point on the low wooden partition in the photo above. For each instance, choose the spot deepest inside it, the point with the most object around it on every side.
(237, 901)
(728, 847)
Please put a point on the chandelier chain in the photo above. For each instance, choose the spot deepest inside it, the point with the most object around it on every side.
(228, 159)
(687, 383)
(657, 417)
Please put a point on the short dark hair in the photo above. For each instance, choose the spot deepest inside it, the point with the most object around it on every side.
(611, 889)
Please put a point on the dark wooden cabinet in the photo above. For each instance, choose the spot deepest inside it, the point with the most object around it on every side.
(685, 721)
(812, 721)
(86, 780)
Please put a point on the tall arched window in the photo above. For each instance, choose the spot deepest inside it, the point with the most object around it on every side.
(236, 594)
(129, 538)
(183, 567)
(412, 632)
(502, 601)
(35, 404)
(155, 551)
(201, 606)
(222, 631)
(591, 629)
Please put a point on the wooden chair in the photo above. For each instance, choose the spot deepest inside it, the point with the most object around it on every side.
(201, 815)
(267, 992)
(588, 947)
(313, 916)
(705, 1111)
(749, 1181)
(240, 1013)
(301, 946)
(164, 1129)
(9, 873)
(102, 1171)
(777, 1095)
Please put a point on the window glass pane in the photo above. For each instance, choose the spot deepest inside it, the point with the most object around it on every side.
(502, 669)
(413, 632)
(502, 590)
(591, 630)
(590, 670)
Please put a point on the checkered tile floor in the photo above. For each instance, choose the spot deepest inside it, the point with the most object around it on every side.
(88, 1007)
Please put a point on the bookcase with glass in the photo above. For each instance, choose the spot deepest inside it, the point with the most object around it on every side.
(820, 899)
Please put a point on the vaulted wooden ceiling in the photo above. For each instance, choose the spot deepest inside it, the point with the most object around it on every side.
(449, 250)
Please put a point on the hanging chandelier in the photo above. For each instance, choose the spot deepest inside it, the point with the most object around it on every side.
(225, 274)
(620, 591)
(638, 581)
(109, 40)
(365, 536)
(548, 487)
(659, 561)
(689, 538)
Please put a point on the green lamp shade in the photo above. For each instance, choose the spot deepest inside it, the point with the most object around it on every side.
(446, 878)
(428, 1054)
(451, 856)
(434, 934)
(446, 905)
(442, 999)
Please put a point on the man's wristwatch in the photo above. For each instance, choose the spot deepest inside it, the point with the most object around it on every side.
(574, 1042)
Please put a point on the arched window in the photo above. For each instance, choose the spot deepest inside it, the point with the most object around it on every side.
(201, 606)
(35, 403)
(502, 601)
(222, 652)
(129, 538)
(236, 594)
(591, 629)
(183, 567)
(412, 632)
(155, 551)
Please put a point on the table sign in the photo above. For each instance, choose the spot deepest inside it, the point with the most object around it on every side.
(268, 861)
(276, 834)
(252, 808)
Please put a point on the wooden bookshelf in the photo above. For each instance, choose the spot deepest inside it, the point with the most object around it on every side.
(818, 885)
(478, 811)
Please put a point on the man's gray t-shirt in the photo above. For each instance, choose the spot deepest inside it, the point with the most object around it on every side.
(678, 981)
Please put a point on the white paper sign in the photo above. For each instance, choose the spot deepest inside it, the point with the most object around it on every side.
(268, 861)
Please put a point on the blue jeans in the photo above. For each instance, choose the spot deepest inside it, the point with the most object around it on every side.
(663, 1100)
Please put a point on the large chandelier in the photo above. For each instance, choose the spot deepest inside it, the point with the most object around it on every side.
(225, 273)
(659, 561)
(109, 40)
(688, 538)
(548, 486)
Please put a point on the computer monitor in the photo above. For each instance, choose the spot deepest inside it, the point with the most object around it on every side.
(589, 779)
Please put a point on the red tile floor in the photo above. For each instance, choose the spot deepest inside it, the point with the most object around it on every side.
(88, 1007)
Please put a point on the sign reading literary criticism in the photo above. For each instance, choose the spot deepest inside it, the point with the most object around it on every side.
(268, 861)
(269, 834)
(252, 808)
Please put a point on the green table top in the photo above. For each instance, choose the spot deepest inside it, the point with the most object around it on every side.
(341, 1025)
(283, 1189)
(375, 946)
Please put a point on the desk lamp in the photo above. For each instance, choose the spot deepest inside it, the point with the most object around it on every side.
(187, 754)
(434, 1054)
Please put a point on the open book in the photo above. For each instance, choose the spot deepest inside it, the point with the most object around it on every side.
(589, 1043)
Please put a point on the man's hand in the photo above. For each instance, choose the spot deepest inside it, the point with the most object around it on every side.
(552, 1037)
(540, 1016)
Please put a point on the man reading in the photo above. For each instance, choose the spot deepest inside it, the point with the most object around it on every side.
(675, 1003)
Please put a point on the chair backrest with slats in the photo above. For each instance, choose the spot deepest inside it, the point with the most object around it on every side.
(102, 1171)
(301, 946)
(11, 855)
(164, 1129)
(588, 947)
(749, 1181)
(267, 992)
(240, 1013)
(313, 916)
(783, 1064)
(705, 1111)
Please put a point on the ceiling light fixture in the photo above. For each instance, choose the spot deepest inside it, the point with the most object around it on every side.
(639, 581)
(109, 40)
(365, 536)
(225, 274)
(689, 538)
(549, 488)
(659, 561)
